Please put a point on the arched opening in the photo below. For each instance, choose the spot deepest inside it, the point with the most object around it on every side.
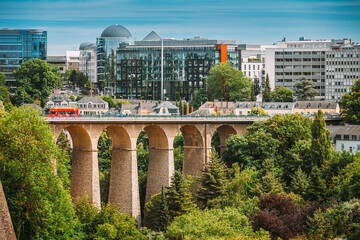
(161, 161)
(219, 137)
(142, 148)
(104, 147)
(84, 168)
(123, 181)
(194, 151)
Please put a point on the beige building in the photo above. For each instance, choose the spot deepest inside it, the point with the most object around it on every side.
(312, 107)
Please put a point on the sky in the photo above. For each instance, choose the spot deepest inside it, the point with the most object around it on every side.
(69, 23)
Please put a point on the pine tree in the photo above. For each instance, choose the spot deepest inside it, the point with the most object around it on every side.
(267, 92)
(178, 196)
(157, 216)
(317, 186)
(300, 183)
(213, 180)
(270, 181)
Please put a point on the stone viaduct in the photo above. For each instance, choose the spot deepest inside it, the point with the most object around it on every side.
(124, 132)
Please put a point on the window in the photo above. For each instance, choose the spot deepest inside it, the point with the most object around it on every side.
(342, 146)
(350, 150)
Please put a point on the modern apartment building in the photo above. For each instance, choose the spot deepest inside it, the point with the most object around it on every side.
(186, 64)
(19, 45)
(106, 45)
(290, 60)
(333, 65)
(87, 61)
(342, 68)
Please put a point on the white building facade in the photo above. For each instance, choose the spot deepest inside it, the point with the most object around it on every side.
(87, 61)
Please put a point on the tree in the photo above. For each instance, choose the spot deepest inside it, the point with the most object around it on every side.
(227, 223)
(228, 83)
(39, 202)
(280, 216)
(106, 223)
(2, 79)
(267, 91)
(258, 111)
(157, 215)
(304, 90)
(179, 197)
(252, 94)
(109, 100)
(350, 103)
(257, 87)
(199, 98)
(282, 94)
(34, 80)
(212, 181)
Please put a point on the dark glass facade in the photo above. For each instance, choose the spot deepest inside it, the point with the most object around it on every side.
(185, 62)
(105, 47)
(17, 46)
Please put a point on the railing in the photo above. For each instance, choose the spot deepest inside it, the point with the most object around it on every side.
(177, 117)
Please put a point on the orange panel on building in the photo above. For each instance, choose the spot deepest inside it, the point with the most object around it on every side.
(223, 52)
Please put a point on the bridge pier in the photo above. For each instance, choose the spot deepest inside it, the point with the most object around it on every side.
(85, 175)
(160, 170)
(124, 187)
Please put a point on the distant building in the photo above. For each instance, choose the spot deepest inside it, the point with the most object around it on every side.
(333, 65)
(92, 106)
(58, 61)
(106, 45)
(20, 45)
(342, 68)
(186, 64)
(346, 137)
(72, 60)
(87, 61)
(272, 108)
(312, 107)
(59, 99)
(145, 108)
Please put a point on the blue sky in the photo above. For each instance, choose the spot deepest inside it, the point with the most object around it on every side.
(255, 21)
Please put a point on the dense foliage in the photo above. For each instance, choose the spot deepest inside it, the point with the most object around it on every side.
(34, 81)
(267, 90)
(282, 94)
(38, 200)
(228, 83)
(350, 103)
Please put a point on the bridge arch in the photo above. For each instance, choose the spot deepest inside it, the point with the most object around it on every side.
(161, 159)
(194, 152)
(84, 170)
(224, 131)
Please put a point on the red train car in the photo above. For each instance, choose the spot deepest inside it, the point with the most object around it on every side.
(61, 110)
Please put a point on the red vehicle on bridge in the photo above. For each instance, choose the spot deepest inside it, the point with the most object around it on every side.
(61, 110)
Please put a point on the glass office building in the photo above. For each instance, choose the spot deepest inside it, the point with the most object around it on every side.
(106, 45)
(19, 45)
(186, 64)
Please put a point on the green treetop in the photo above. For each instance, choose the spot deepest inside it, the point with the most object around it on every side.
(304, 90)
(35, 80)
(228, 83)
(351, 104)
(282, 94)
